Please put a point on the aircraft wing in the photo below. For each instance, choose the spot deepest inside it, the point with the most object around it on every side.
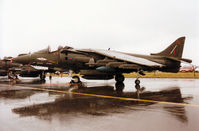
(127, 58)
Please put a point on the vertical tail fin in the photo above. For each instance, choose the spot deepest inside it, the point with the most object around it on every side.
(174, 50)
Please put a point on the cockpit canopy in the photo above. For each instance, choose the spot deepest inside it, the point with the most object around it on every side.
(7, 58)
(60, 47)
(22, 54)
(47, 50)
(67, 47)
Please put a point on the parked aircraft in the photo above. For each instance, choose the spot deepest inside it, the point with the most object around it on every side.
(6, 67)
(12, 69)
(45, 60)
(107, 64)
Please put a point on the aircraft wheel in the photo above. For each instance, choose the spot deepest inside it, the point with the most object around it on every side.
(137, 82)
(119, 78)
(42, 76)
(50, 77)
(75, 79)
(11, 75)
(137, 86)
(119, 86)
(15, 76)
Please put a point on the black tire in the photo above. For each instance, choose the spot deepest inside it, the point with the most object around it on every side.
(16, 77)
(75, 79)
(137, 86)
(119, 86)
(137, 82)
(119, 78)
(50, 77)
(42, 76)
(11, 75)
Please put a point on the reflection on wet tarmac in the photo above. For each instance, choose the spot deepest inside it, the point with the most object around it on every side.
(24, 100)
(16, 94)
(70, 103)
(18, 81)
(177, 111)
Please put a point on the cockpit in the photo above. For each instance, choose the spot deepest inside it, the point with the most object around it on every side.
(46, 50)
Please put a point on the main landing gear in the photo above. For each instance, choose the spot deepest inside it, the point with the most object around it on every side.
(119, 78)
(119, 85)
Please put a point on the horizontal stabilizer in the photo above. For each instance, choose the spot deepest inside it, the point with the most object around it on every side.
(180, 60)
(186, 60)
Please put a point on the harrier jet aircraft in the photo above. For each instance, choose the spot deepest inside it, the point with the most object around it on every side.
(45, 60)
(108, 64)
(12, 69)
(6, 67)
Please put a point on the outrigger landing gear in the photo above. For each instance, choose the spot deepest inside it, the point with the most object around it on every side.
(137, 81)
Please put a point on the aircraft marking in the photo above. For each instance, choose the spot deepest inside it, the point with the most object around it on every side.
(178, 42)
(173, 51)
(42, 59)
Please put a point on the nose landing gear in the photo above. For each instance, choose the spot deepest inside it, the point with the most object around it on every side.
(76, 82)
(12, 75)
(75, 79)
(42, 76)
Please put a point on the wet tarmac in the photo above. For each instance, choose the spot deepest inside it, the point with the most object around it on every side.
(159, 105)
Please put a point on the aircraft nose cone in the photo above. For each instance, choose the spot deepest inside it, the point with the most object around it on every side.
(22, 59)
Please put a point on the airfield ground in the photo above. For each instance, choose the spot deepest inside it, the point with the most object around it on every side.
(166, 75)
(155, 75)
(163, 104)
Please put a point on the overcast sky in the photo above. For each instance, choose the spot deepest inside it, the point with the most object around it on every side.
(135, 26)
